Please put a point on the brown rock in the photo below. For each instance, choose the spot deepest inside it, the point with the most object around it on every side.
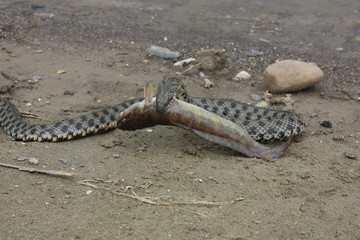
(291, 75)
(5, 83)
(212, 59)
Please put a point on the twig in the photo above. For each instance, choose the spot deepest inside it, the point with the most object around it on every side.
(37, 170)
(349, 95)
(151, 200)
(191, 67)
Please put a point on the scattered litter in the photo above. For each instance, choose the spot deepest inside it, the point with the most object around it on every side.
(184, 62)
(242, 76)
(88, 192)
(208, 83)
(28, 104)
(202, 75)
(150, 130)
(161, 52)
(115, 155)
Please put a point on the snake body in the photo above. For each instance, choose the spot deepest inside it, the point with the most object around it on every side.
(260, 123)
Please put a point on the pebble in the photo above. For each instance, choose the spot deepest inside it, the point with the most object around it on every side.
(33, 161)
(21, 159)
(350, 155)
(291, 75)
(326, 124)
(63, 161)
(208, 83)
(255, 53)
(242, 76)
(314, 115)
(141, 149)
(5, 84)
(161, 52)
(262, 104)
(255, 97)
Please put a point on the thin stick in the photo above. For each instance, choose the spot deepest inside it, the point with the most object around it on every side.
(349, 95)
(191, 67)
(153, 200)
(37, 170)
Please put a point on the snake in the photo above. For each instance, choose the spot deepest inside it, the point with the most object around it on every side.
(262, 124)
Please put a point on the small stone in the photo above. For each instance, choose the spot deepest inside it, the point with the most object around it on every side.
(350, 155)
(291, 75)
(326, 124)
(255, 53)
(69, 92)
(314, 115)
(242, 76)
(63, 161)
(21, 159)
(33, 161)
(28, 104)
(255, 97)
(141, 149)
(5, 83)
(262, 104)
(191, 151)
(163, 70)
(208, 83)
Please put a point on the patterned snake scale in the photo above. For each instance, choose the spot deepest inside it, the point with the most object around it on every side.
(260, 123)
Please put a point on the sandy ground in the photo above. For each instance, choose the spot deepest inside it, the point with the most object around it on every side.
(312, 192)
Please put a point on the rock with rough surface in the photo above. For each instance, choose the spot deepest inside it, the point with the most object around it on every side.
(291, 75)
(5, 84)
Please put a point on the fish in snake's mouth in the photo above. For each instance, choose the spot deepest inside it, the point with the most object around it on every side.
(166, 109)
